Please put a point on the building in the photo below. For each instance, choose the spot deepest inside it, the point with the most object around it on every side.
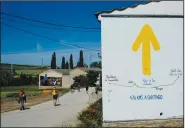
(137, 44)
(62, 74)
(65, 76)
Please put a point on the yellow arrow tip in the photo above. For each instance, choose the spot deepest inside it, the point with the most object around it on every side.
(146, 37)
(146, 25)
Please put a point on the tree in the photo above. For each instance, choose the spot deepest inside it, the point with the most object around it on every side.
(63, 63)
(92, 77)
(71, 61)
(85, 65)
(95, 64)
(81, 59)
(67, 65)
(53, 61)
(81, 79)
(78, 64)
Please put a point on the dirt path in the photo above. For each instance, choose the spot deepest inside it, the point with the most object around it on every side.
(46, 115)
(12, 104)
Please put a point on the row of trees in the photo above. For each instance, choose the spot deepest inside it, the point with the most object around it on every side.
(8, 79)
(65, 64)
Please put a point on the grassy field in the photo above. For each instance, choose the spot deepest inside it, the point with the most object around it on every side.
(26, 69)
(30, 90)
(18, 66)
(34, 96)
(30, 71)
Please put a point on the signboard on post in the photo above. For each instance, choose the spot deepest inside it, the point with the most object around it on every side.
(142, 63)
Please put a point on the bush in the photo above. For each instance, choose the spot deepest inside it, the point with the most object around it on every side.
(12, 95)
(81, 79)
(15, 82)
(4, 82)
(92, 77)
(92, 116)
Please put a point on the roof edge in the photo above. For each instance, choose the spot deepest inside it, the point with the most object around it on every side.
(124, 8)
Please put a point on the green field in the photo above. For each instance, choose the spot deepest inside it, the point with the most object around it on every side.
(30, 90)
(25, 69)
(30, 71)
(17, 66)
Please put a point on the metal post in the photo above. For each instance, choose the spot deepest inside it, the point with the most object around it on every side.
(89, 59)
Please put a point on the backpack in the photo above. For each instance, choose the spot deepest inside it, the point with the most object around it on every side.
(21, 94)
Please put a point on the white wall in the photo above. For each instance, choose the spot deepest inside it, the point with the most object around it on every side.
(66, 81)
(118, 59)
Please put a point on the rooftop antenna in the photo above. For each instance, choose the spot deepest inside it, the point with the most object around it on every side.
(42, 61)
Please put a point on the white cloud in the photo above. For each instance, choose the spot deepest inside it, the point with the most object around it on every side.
(39, 48)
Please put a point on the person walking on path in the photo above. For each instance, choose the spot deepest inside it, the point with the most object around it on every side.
(96, 89)
(55, 95)
(72, 87)
(22, 99)
(79, 87)
(87, 88)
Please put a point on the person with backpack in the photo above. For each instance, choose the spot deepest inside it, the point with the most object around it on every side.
(55, 95)
(22, 99)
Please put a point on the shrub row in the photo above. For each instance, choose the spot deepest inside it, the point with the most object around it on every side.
(16, 94)
(92, 116)
(23, 79)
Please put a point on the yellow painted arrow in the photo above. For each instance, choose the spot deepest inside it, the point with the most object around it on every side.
(146, 36)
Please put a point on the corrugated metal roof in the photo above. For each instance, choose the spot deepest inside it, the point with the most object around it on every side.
(67, 71)
(62, 71)
(122, 9)
(90, 69)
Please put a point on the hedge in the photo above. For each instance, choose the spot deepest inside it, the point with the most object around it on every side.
(92, 116)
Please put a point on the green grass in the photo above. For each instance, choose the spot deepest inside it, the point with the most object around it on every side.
(30, 90)
(4, 95)
(17, 88)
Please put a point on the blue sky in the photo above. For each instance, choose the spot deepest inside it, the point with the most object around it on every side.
(22, 48)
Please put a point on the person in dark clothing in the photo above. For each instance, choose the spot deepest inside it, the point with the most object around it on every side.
(87, 88)
(22, 99)
(79, 87)
(96, 89)
(71, 88)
